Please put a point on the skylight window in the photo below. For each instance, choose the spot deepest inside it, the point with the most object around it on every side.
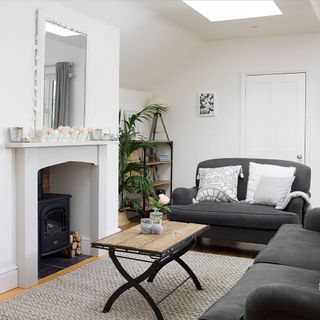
(234, 9)
(60, 31)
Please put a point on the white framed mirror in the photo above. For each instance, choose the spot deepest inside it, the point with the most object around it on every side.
(60, 74)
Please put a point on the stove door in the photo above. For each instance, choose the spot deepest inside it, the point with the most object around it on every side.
(53, 231)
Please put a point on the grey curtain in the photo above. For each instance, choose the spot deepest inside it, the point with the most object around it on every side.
(62, 98)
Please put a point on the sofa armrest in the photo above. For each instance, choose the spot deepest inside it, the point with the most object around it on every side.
(312, 220)
(295, 205)
(183, 195)
(282, 302)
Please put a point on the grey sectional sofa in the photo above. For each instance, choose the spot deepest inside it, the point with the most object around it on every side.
(283, 283)
(240, 221)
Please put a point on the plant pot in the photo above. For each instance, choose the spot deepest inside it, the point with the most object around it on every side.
(122, 218)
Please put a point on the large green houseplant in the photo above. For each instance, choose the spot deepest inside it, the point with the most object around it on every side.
(132, 181)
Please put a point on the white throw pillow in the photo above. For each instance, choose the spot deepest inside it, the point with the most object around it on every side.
(218, 184)
(272, 191)
(257, 170)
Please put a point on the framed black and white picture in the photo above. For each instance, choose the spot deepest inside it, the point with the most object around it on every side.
(207, 104)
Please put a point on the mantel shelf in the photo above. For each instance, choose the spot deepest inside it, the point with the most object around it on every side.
(57, 144)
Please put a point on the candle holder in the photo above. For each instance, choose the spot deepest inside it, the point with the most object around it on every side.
(16, 134)
(146, 225)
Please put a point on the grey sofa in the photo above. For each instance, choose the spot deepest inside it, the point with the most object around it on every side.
(283, 283)
(240, 221)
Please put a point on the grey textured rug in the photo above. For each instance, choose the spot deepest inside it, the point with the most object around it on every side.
(83, 293)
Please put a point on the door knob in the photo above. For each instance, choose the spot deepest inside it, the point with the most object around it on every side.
(299, 156)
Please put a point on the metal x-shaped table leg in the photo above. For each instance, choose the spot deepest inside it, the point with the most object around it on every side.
(133, 282)
(176, 257)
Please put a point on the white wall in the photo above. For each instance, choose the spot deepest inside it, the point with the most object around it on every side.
(57, 51)
(218, 66)
(17, 22)
(151, 44)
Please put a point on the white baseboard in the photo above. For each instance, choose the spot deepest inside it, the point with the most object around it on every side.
(8, 278)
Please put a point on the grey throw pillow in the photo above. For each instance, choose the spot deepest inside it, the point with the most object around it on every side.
(272, 191)
(218, 184)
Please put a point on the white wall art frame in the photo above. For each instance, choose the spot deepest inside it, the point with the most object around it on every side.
(206, 104)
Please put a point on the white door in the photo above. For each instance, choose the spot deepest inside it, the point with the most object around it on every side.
(274, 116)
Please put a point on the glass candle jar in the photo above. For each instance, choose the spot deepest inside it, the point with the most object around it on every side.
(146, 225)
(96, 134)
(156, 216)
(16, 134)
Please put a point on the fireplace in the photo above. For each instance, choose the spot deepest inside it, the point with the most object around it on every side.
(54, 223)
(102, 216)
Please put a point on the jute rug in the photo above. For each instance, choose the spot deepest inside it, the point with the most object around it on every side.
(83, 293)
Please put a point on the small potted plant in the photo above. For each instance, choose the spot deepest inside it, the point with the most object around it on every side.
(159, 204)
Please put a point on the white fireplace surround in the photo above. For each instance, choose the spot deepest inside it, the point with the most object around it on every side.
(30, 158)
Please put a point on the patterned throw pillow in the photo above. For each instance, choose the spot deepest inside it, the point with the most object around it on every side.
(218, 184)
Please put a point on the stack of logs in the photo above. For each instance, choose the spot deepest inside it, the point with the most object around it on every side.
(75, 245)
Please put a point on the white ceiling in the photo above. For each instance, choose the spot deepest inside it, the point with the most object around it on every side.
(156, 35)
(298, 17)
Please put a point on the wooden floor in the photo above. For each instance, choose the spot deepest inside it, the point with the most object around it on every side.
(245, 250)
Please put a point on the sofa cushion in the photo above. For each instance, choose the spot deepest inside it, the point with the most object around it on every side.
(301, 182)
(231, 306)
(258, 170)
(236, 214)
(293, 246)
(272, 191)
(218, 184)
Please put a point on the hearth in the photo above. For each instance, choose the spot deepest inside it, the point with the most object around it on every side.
(54, 223)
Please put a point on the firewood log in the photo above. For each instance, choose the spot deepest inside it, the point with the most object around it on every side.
(77, 238)
(74, 245)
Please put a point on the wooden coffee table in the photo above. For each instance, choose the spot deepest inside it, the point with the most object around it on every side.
(176, 239)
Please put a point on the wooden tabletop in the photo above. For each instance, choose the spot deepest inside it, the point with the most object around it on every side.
(131, 239)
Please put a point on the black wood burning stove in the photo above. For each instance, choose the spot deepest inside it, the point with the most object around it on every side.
(54, 221)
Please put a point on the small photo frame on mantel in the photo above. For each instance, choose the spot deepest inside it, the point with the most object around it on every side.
(207, 104)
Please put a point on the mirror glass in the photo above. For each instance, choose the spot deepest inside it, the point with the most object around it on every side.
(64, 77)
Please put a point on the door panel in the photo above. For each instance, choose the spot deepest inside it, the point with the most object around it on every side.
(275, 116)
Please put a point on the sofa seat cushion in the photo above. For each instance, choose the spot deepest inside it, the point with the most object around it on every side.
(231, 306)
(235, 214)
(293, 246)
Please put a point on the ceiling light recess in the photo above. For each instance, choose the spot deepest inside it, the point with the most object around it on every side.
(60, 31)
(234, 9)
